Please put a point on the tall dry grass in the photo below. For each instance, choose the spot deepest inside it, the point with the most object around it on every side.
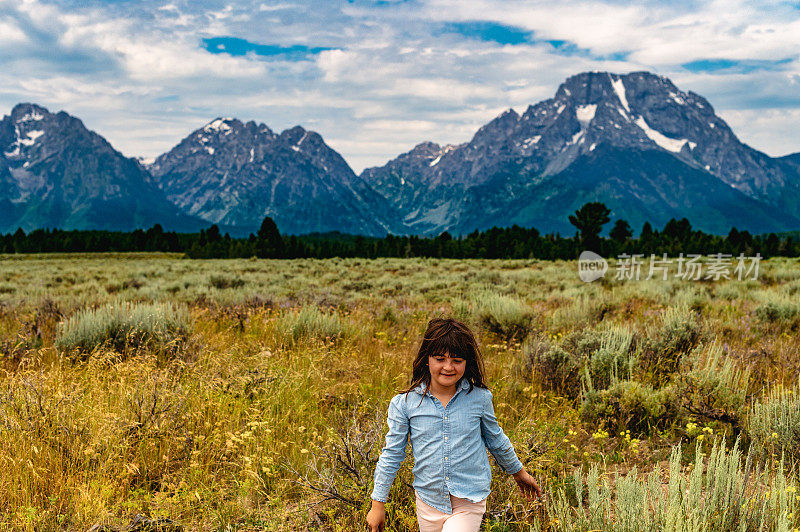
(271, 414)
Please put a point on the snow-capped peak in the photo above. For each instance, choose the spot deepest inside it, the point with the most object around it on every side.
(31, 116)
(220, 124)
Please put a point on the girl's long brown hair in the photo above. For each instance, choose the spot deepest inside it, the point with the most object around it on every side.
(448, 335)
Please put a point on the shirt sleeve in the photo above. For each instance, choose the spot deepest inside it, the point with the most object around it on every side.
(496, 440)
(394, 450)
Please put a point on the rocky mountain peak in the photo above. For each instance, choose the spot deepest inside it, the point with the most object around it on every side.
(235, 173)
(25, 126)
(593, 120)
(58, 173)
(27, 112)
(301, 140)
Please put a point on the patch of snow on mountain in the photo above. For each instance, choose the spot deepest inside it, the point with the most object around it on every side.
(560, 108)
(31, 116)
(677, 99)
(619, 88)
(32, 136)
(692, 145)
(402, 181)
(217, 125)
(436, 161)
(252, 152)
(673, 145)
(210, 150)
(410, 216)
(593, 146)
(585, 114)
(576, 136)
(711, 125)
(533, 140)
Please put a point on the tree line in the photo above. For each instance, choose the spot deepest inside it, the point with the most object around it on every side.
(514, 242)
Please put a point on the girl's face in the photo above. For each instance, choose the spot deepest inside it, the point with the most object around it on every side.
(446, 370)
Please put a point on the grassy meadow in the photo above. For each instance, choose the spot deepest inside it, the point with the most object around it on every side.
(252, 394)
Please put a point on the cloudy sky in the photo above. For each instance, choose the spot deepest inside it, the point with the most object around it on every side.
(377, 77)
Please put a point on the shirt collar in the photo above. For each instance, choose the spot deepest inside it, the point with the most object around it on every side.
(420, 388)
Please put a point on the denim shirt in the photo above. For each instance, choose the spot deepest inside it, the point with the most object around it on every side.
(448, 445)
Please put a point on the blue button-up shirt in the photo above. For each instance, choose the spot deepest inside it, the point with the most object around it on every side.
(449, 445)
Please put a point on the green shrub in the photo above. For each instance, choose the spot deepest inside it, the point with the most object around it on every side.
(782, 312)
(310, 322)
(504, 315)
(555, 368)
(461, 310)
(630, 405)
(124, 325)
(614, 357)
(679, 333)
(582, 342)
(714, 387)
(604, 354)
(388, 315)
(722, 491)
(221, 282)
(773, 422)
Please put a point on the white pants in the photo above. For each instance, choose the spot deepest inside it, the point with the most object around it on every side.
(466, 516)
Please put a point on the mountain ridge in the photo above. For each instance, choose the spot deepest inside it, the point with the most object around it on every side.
(637, 111)
(237, 173)
(58, 173)
(661, 152)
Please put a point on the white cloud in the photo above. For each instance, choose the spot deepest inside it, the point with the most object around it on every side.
(10, 34)
(773, 131)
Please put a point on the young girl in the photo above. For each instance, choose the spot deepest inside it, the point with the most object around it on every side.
(448, 415)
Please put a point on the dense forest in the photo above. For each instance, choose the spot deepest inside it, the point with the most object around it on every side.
(676, 237)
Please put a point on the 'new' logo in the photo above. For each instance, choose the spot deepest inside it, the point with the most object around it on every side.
(591, 266)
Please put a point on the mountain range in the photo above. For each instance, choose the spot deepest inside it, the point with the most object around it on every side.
(636, 142)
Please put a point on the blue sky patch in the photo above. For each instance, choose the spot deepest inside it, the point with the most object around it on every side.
(502, 34)
(490, 32)
(734, 65)
(569, 48)
(237, 46)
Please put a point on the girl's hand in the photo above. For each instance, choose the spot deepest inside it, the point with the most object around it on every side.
(376, 518)
(527, 484)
